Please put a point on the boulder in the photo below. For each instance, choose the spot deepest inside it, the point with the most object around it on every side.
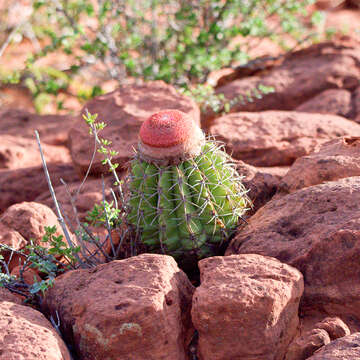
(25, 333)
(90, 194)
(29, 219)
(6, 295)
(304, 346)
(278, 138)
(345, 348)
(262, 183)
(17, 152)
(17, 185)
(336, 159)
(30, 275)
(302, 75)
(123, 111)
(53, 129)
(334, 326)
(356, 102)
(246, 307)
(137, 308)
(332, 101)
(316, 230)
(13, 239)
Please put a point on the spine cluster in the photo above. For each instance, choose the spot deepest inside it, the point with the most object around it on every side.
(188, 208)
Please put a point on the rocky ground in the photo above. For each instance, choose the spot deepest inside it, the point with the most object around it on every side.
(288, 285)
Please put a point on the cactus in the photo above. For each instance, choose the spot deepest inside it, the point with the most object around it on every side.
(185, 197)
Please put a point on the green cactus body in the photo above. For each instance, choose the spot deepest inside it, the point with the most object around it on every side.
(186, 208)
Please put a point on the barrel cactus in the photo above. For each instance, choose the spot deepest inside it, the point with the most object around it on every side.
(185, 197)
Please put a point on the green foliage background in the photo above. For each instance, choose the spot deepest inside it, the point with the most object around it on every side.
(179, 42)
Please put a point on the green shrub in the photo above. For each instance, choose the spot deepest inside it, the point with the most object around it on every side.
(179, 42)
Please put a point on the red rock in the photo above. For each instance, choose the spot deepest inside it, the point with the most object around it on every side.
(278, 138)
(345, 20)
(304, 346)
(332, 101)
(29, 220)
(30, 276)
(17, 152)
(262, 183)
(316, 230)
(335, 327)
(89, 195)
(53, 129)
(11, 237)
(17, 185)
(26, 334)
(345, 348)
(336, 159)
(302, 75)
(6, 295)
(356, 102)
(246, 307)
(124, 110)
(137, 308)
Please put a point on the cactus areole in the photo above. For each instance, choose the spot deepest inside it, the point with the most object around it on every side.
(185, 197)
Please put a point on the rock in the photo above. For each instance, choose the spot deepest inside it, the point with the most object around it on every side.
(137, 308)
(356, 102)
(53, 129)
(246, 307)
(17, 152)
(89, 195)
(316, 230)
(29, 220)
(336, 159)
(262, 183)
(30, 276)
(6, 295)
(11, 238)
(278, 138)
(124, 110)
(332, 101)
(26, 334)
(304, 346)
(335, 327)
(302, 75)
(17, 185)
(345, 348)
(345, 19)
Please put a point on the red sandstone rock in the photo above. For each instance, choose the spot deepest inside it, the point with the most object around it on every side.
(6, 295)
(332, 101)
(273, 138)
(345, 348)
(356, 104)
(53, 129)
(29, 220)
(14, 240)
(262, 183)
(246, 307)
(30, 276)
(26, 334)
(334, 326)
(123, 111)
(304, 346)
(138, 308)
(18, 185)
(306, 73)
(89, 195)
(316, 230)
(302, 75)
(336, 159)
(17, 152)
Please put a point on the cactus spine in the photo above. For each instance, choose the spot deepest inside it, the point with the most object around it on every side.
(184, 194)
